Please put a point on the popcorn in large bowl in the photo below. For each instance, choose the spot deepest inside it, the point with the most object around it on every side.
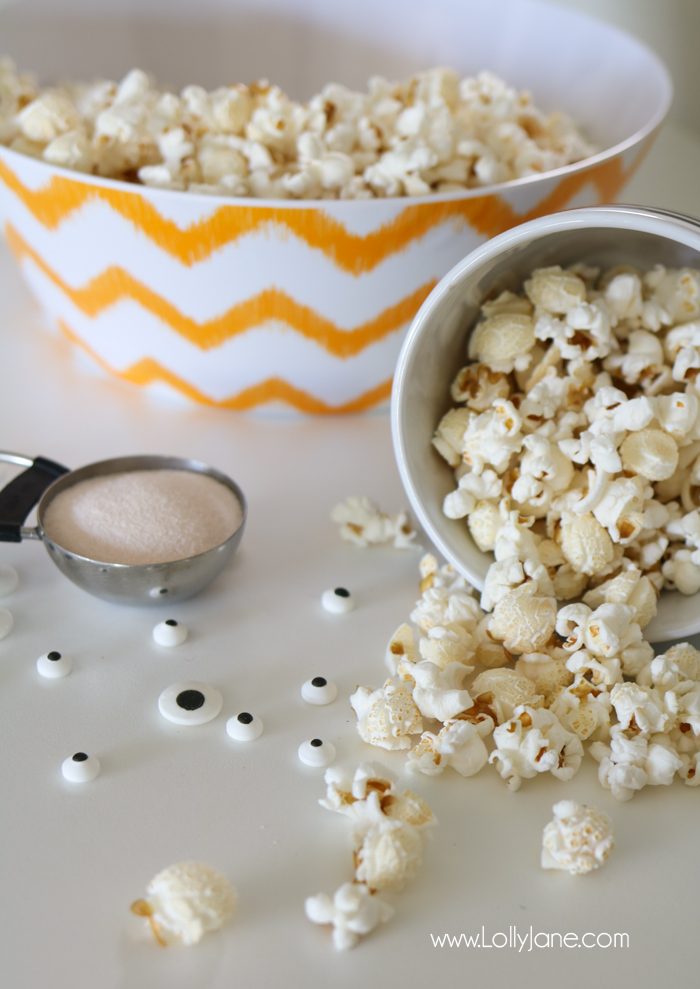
(243, 248)
(563, 460)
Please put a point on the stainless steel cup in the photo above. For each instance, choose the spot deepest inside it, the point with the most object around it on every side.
(124, 583)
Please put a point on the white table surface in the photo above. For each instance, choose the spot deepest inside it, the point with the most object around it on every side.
(72, 859)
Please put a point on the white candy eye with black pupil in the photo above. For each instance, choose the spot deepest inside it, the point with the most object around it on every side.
(337, 600)
(319, 691)
(170, 633)
(80, 768)
(190, 703)
(244, 727)
(317, 753)
(54, 665)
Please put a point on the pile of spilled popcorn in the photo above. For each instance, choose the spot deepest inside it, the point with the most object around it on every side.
(434, 132)
(524, 687)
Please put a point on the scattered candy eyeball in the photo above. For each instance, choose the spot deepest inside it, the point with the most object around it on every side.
(184, 902)
(6, 622)
(319, 691)
(54, 665)
(157, 592)
(8, 580)
(170, 633)
(317, 753)
(190, 703)
(80, 768)
(337, 600)
(244, 727)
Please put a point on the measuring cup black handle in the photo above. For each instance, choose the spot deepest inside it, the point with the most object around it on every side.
(23, 492)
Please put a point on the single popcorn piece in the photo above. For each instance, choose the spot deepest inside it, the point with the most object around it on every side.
(445, 645)
(500, 691)
(387, 717)
(185, 901)
(650, 453)
(389, 856)
(503, 341)
(523, 620)
(583, 708)
(449, 435)
(548, 673)
(369, 795)
(459, 744)
(555, 291)
(534, 741)
(438, 692)
(492, 438)
(401, 648)
(586, 544)
(365, 524)
(577, 840)
(639, 708)
(353, 912)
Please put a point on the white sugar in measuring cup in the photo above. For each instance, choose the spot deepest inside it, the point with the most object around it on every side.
(43, 480)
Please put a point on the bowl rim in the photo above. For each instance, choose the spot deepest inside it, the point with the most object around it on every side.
(611, 216)
(665, 98)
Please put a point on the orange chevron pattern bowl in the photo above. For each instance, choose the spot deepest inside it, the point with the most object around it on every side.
(249, 303)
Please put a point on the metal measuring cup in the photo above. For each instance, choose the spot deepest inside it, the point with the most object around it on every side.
(152, 583)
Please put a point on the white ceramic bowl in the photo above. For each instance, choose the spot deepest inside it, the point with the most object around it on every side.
(436, 348)
(241, 303)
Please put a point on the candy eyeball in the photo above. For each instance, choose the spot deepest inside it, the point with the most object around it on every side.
(170, 633)
(80, 768)
(54, 665)
(157, 592)
(244, 727)
(190, 703)
(6, 622)
(337, 600)
(318, 690)
(317, 753)
(8, 580)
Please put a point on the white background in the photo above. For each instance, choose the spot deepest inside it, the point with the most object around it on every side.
(71, 860)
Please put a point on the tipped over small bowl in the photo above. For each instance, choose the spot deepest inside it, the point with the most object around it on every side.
(436, 348)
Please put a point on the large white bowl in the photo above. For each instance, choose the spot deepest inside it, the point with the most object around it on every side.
(436, 347)
(240, 303)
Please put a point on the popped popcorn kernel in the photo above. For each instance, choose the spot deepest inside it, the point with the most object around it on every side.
(577, 840)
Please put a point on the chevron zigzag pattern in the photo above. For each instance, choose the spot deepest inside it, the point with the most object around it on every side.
(149, 371)
(350, 364)
(116, 284)
(354, 253)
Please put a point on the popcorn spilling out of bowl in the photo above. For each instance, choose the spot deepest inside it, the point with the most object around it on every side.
(576, 444)
(467, 689)
(387, 826)
(434, 132)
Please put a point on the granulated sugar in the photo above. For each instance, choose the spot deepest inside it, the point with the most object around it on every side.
(143, 516)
